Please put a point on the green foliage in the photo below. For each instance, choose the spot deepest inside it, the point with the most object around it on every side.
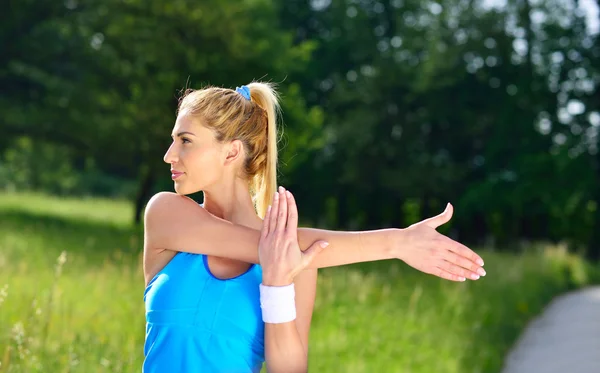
(388, 105)
(71, 289)
(31, 164)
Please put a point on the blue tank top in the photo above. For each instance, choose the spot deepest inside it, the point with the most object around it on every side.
(196, 322)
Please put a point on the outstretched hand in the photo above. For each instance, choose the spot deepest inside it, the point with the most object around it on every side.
(278, 251)
(431, 252)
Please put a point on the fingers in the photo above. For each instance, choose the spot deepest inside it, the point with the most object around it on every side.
(266, 221)
(292, 220)
(464, 263)
(464, 251)
(458, 261)
(440, 272)
(274, 212)
(282, 213)
(441, 219)
(457, 270)
(309, 254)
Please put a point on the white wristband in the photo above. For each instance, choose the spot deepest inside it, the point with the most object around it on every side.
(277, 303)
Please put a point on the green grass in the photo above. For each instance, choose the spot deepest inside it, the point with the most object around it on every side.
(82, 311)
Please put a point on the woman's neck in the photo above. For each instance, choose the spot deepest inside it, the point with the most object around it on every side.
(233, 203)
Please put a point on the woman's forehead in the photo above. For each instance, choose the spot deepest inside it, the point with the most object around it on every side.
(187, 123)
(191, 124)
(184, 122)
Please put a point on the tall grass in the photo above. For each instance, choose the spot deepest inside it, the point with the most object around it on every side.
(71, 289)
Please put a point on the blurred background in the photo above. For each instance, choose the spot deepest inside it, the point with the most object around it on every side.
(391, 109)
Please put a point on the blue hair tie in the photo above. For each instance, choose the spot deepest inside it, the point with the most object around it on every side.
(244, 91)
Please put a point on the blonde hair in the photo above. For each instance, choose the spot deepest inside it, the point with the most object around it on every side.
(254, 122)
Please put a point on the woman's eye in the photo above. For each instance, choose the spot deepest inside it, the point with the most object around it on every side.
(184, 140)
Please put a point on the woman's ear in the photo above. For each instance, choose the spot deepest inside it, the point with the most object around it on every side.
(234, 151)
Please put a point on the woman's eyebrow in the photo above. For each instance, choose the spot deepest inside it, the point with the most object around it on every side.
(184, 133)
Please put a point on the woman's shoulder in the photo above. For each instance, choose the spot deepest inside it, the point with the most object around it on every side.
(168, 197)
(168, 205)
(164, 211)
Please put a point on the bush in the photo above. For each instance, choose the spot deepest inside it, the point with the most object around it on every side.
(34, 165)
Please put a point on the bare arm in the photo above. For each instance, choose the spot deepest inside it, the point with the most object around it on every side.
(286, 344)
(177, 223)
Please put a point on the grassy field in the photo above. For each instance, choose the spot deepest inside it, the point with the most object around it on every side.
(71, 291)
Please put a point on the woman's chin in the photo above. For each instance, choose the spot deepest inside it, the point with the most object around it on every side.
(179, 189)
(182, 190)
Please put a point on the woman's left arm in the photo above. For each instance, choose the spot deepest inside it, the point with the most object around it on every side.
(282, 340)
(283, 263)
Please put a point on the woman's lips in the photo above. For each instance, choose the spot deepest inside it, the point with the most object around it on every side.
(175, 175)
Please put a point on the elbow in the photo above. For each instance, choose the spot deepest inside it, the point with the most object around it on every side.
(287, 364)
(288, 369)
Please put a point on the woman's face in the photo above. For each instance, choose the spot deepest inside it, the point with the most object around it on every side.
(194, 156)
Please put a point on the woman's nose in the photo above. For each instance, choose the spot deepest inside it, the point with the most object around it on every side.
(170, 155)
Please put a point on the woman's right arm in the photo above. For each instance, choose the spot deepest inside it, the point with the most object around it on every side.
(177, 223)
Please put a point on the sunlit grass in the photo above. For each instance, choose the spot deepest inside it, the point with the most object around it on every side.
(71, 290)
(103, 210)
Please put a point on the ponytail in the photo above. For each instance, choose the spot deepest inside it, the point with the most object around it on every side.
(264, 182)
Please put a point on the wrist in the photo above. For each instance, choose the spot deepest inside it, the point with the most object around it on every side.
(395, 243)
(277, 303)
(276, 280)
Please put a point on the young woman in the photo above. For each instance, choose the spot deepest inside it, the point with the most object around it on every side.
(203, 286)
